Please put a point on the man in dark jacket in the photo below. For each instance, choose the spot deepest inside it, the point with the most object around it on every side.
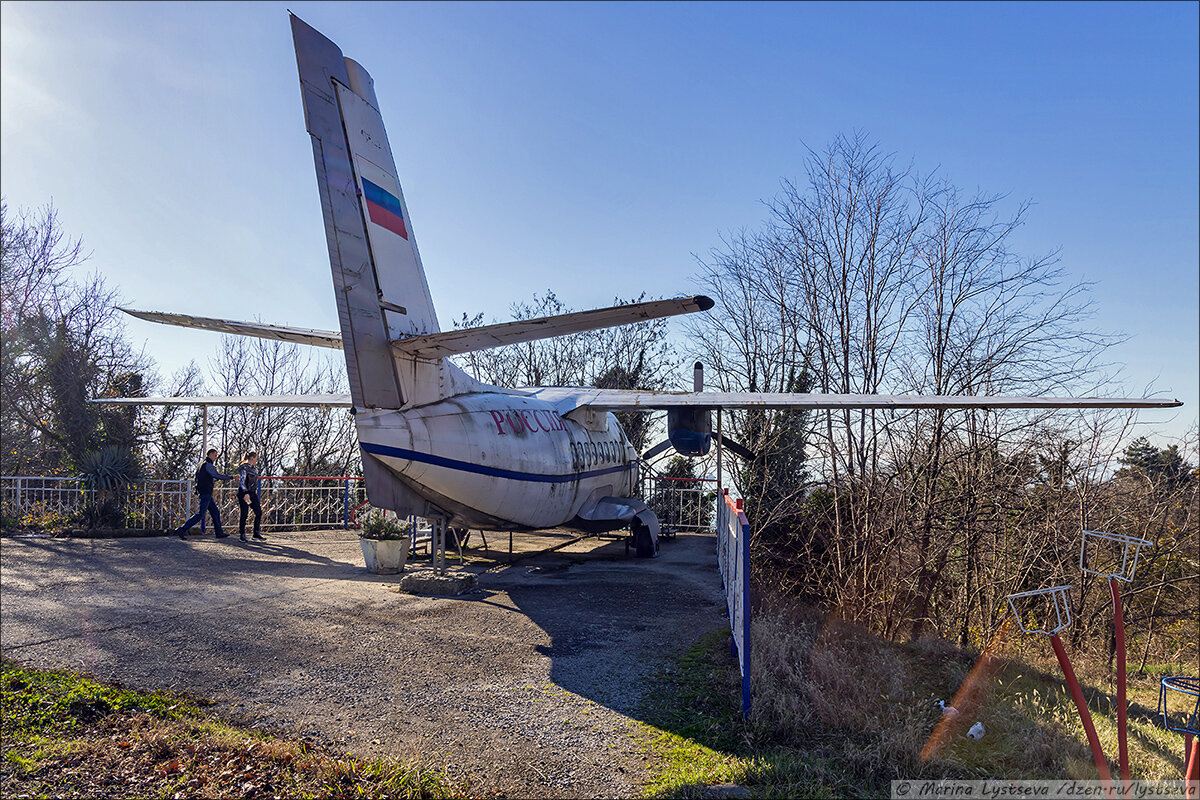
(247, 495)
(205, 478)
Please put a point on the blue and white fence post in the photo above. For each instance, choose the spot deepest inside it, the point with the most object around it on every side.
(733, 555)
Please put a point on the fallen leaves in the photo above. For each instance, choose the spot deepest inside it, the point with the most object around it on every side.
(140, 756)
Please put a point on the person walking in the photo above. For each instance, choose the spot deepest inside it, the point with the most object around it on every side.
(248, 484)
(206, 476)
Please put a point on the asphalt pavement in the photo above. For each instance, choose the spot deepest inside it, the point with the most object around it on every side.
(530, 684)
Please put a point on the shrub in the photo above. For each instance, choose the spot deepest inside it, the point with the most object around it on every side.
(383, 525)
(109, 469)
(108, 514)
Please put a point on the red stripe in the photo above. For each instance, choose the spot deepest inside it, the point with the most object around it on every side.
(381, 216)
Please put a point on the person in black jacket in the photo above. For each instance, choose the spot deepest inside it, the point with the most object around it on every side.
(248, 495)
(206, 475)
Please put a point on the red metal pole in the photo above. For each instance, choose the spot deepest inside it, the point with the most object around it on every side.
(1122, 711)
(1084, 715)
(1192, 773)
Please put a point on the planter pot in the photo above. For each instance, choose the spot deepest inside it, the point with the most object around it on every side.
(384, 557)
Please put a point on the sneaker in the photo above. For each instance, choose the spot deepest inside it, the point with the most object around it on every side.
(260, 537)
(222, 535)
(182, 534)
(243, 538)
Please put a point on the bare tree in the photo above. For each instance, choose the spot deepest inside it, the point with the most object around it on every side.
(751, 341)
(627, 357)
(173, 443)
(36, 258)
(287, 440)
(868, 278)
(63, 344)
(326, 441)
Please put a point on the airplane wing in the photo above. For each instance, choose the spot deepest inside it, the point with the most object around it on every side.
(299, 335)
(566, 399)
(274, 400)
(438, 345)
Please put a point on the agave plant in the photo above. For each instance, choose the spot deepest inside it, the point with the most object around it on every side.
(109, 469)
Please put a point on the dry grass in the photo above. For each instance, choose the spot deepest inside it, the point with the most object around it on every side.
(840, 712)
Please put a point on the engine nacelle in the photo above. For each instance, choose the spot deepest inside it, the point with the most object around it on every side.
(690, 430)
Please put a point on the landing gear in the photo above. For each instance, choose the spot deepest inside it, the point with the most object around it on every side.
(645, 543)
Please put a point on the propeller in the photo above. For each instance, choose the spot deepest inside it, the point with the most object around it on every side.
(693, 429)
(658, 448)
(732, 446)
(738, 449)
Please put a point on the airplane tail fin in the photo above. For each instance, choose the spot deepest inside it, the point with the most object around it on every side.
(396, 355)
(382, 294)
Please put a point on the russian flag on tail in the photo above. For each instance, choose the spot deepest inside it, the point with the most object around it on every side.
(384, 208)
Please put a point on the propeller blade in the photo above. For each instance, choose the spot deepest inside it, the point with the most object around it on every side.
(658, 448)
(738, 449)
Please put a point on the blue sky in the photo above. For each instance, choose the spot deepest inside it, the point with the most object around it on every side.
(592, 149)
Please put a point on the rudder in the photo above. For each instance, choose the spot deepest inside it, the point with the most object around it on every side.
(378, 279)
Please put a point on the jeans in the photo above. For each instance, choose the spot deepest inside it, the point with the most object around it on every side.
(247, 501)
(206, 504)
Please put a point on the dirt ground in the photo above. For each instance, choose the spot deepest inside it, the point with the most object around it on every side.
(528, 685)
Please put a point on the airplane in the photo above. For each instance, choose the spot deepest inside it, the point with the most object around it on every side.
(439, 444)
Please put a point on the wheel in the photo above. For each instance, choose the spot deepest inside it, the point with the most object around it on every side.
(643, 542)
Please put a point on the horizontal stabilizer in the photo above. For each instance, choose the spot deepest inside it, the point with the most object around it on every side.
(298, 335)
(439, 345)
(273, 400)
(565, 399)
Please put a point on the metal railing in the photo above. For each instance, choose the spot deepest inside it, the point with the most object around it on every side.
(682, 504)
(292, 502)
(296, 502)
(41, 502)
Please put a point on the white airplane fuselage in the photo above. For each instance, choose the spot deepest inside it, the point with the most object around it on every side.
(500, 461)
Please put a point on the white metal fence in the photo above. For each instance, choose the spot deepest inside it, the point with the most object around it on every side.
(681, 504)
(288, 503)
(297, 502)
(733, 558)
(50, 502)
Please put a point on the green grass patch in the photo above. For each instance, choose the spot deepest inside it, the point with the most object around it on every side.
(66, 734)
(1163, 670)
(44, 702)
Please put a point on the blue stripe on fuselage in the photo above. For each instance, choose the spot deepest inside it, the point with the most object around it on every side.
(479, 469)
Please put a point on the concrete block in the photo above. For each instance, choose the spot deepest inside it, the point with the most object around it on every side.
(451, 583)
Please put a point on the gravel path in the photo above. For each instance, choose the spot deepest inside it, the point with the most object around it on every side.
(526, 685)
